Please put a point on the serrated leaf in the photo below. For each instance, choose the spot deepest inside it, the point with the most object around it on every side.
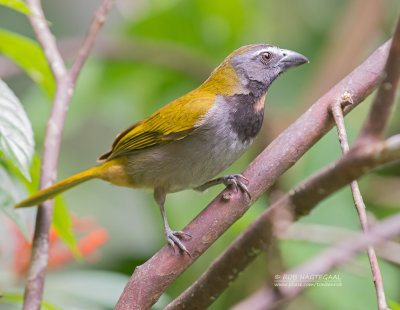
(62, 223)
(16, 5)
(16, 135)
(9, 196)
(28, 54)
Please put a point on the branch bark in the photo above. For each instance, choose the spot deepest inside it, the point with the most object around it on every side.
(360, 206)
(331, 235)
(268, 299)
(382, 106)
(373, 129)
(150, 279)
(301, 200)
(65, 84)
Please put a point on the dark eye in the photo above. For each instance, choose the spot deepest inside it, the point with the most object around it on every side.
(266, 56)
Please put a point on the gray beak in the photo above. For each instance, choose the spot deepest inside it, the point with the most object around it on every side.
(291, 59)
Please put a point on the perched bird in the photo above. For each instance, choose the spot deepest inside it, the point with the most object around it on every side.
(195, 137)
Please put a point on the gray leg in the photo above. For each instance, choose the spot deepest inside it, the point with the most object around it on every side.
(236, 180)
(172, 236)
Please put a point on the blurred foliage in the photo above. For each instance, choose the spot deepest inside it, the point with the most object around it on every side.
(30, 57)
(113, 92)
(17, 5)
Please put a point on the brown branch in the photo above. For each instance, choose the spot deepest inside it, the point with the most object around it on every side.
(65, 84)
(376, 123)
(337, 112)
(302, 199)
(323, 234)
(98, 20)
(150, 279)
(337, 255)
(374, 128)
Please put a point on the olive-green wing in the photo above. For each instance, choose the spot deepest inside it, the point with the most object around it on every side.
(173, 122)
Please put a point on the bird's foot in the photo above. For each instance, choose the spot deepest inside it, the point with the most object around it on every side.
(238, 181)
(173, 238)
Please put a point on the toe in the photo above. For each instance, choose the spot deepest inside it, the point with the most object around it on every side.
(182, 234)
(173, 240)
(238, 181)
(244, 188)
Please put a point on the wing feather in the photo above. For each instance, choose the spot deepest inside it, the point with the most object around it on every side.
(173, 122)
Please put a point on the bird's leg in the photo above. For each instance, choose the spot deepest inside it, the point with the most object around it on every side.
(236, 180)
(172, 236)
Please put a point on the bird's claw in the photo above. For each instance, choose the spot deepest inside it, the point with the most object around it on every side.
(173, 238)
(238, 181)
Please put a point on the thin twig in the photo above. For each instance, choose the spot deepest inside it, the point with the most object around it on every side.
(337, 255)
(65, 83)
(337, 112)
(150, 279)
(98, 20)
(301, 199)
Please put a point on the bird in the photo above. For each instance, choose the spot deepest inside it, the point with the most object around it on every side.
(191, 140)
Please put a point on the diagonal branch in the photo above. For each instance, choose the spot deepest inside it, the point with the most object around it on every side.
(87, 44)
(331, 235)
(65, 83)
(378, 118)
(267, 299)
(373, 128)
(150, 279)
(301, 200)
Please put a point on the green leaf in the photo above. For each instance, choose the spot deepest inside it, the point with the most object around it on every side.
(9, 196)
(27, 54)
(62, 223)
(16, 135)
(14, 298)
(394, 306)
(16, 5)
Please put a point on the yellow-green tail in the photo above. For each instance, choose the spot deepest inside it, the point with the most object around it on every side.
(58, 188)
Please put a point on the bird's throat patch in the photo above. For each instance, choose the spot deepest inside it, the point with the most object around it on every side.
(247, 118)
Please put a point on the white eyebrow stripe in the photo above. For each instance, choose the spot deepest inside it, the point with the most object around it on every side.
(258, 52)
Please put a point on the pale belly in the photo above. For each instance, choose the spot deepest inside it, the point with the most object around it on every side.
(186, 163)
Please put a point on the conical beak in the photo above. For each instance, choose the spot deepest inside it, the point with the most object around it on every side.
(291, 59)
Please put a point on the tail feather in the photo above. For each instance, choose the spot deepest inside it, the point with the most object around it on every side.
(58, 188)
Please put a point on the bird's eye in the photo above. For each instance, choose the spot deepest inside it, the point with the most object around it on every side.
(266, 56)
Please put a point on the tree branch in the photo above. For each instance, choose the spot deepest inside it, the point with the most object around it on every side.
(65, 83)
(301, 200)
(360, 206)
(330, 235)
(378, 118)
(321, 264)
(150, 279)
(374, 128)
(94, 28)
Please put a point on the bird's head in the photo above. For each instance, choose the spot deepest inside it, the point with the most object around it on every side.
(256, 65)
